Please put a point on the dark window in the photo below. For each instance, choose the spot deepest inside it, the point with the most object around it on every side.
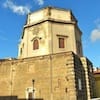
(20, 51)
(78, 47)
(30, 96)
(61, 42)
(35, 44)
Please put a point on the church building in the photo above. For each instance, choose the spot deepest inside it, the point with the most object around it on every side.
(50, 63)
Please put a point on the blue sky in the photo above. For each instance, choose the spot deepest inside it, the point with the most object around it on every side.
(13, 16)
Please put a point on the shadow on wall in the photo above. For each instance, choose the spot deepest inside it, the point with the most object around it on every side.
(16, 98)
(8, 98)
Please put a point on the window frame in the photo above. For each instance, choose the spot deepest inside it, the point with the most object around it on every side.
(79, 84)
(78, 44)
(30, 98)
(28, 91)
(36, 44)
(61, 41)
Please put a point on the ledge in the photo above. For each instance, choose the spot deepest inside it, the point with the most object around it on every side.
(52, 20)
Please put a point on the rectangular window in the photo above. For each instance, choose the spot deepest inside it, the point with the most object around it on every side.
(20, 51)
(78, 47)
(79, 84)
(61, 42)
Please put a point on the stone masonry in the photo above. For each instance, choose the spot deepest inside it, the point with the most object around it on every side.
(56, 77)
(50, 64)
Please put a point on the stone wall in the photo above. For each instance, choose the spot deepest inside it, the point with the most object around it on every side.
(56, 77)
(90, 81)
(47, 26)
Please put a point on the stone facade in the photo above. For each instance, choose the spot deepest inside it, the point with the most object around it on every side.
(90, 81)
(97, 82)
(48, 72)
(47, 26)
(56, 77)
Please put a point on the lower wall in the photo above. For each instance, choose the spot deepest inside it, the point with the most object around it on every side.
(55, 77)
(97, 84)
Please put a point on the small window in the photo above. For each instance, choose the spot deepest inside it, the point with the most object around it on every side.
(79, 84)
(90, 69)
(30, 96)
(23, 45)
(20, 51)
(78, 47)
(61, 42)
(35, 44)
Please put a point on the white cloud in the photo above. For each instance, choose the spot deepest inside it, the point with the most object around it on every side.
(21, 10)
(40, 2)
(95, 34)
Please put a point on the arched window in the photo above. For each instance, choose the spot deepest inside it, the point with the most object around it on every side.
(35, 44)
